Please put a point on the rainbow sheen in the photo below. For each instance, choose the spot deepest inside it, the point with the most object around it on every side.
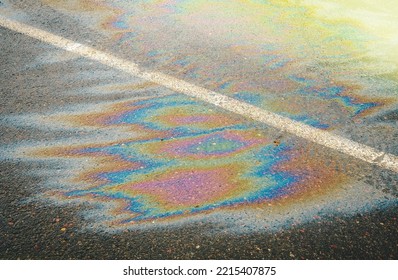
(294, 58)
(177, 159)
(187, 165)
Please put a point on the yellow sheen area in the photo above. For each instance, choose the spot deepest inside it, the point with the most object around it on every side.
(326, 30)
(377, 18)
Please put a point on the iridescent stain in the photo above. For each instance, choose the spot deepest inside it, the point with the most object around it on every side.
(179, 158)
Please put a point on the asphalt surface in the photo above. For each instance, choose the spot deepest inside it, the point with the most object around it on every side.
(97, 164)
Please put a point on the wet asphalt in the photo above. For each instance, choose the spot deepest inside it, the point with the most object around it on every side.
(31, 229)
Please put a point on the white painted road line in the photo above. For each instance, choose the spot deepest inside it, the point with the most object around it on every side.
(324, 138)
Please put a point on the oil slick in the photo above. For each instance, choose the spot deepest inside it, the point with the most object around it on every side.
(166, 159)
(178, 165)
(176, 160)
(289, 57)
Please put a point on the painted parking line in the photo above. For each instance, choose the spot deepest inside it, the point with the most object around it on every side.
(321, 137)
